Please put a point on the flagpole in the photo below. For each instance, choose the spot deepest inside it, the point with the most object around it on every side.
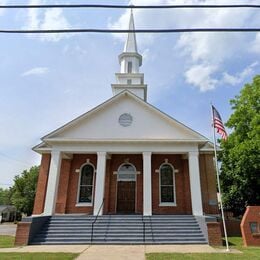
(217, 170)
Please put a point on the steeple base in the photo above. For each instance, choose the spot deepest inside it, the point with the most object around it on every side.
(140, 90)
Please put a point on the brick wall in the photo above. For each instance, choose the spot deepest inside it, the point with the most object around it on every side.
(111, 181)
(183, 197)
(63, 186)
(72, 190)
(42, 185)
(214, 234)
(208, 184)
(252, 214)
(69, 178)
(22, 233)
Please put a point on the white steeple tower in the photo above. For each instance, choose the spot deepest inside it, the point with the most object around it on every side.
(130, 60)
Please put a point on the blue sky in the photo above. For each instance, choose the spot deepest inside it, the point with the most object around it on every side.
(46, 81)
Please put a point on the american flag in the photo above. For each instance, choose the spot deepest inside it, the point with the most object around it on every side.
(218, 124)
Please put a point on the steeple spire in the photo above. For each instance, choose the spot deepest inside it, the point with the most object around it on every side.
(130, 61)
(130, 45)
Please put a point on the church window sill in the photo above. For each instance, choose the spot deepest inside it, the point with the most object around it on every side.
(83, 205)
(168, 204)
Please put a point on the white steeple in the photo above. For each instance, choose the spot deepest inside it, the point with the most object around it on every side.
(130, 61)
(130, 44)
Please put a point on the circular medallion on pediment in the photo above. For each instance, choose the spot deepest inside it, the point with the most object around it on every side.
(125, 119)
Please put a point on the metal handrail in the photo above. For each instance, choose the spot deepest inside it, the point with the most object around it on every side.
(92, 224)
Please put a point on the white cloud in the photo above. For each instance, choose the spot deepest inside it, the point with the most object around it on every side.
(49, 19)
(201, 76)
(197, 49)
(239, 77)
(35, 71)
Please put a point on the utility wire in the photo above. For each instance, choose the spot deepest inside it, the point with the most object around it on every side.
(13, 159)
(133, 31)
(128, 6)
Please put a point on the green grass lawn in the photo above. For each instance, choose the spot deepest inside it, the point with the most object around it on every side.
(6, 241)
(38, 256)
(234, 242)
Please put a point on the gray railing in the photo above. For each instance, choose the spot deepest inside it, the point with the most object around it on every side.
(93, 223)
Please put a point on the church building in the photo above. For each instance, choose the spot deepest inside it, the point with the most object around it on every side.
(125, 157)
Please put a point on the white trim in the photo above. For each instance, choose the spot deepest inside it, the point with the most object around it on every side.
(195, 186)
(100, 183)
(53, 183)
(147, 183)
(167, 204)
(113, 99)
(81, 204)
(118, 140)
(128, 148)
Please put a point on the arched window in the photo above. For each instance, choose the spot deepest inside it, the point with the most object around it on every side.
(167, 184)
(85, 192)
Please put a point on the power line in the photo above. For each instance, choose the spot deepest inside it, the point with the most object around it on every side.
(128, 6)
(182, 30)
(13, 159)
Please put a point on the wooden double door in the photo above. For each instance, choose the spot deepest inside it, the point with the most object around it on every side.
(126, 191)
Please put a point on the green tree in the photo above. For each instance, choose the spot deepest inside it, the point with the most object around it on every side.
(5, 196)
(23, 191)
(240, 155)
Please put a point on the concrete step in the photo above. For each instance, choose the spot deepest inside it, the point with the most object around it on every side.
(121, 229)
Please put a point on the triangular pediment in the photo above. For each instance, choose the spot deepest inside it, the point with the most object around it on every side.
(139, 121)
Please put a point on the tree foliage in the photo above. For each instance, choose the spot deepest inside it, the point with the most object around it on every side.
(5, 196)
(240, 155)
(23, 190)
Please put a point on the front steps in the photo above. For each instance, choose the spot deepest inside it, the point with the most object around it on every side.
(120, 229)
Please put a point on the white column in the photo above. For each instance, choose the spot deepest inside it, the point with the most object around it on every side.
(100, 183)
(195, 188)
(147, 184)
(53, 182)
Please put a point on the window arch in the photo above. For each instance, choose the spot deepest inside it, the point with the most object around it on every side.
(126, 172)
(167, 184)
(86, 183)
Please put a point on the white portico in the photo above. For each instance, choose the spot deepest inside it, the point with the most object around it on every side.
(125, 156)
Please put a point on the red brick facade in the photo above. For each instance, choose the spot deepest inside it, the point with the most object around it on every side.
(214, 234)
(42, 184)
(69, 180)
(182, 183)
(252, 215)
(22, 233)
(208, 184)
(72, 191)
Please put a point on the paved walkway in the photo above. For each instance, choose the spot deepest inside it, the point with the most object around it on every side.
(117, 252)
(8, 229)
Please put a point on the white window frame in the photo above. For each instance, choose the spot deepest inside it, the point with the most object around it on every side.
(85, 204)
(167, 204)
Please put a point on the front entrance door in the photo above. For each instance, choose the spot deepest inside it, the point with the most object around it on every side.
(126, 197)
(126, 180)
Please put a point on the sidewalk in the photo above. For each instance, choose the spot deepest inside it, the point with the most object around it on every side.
(8, 229)
(117, 252)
